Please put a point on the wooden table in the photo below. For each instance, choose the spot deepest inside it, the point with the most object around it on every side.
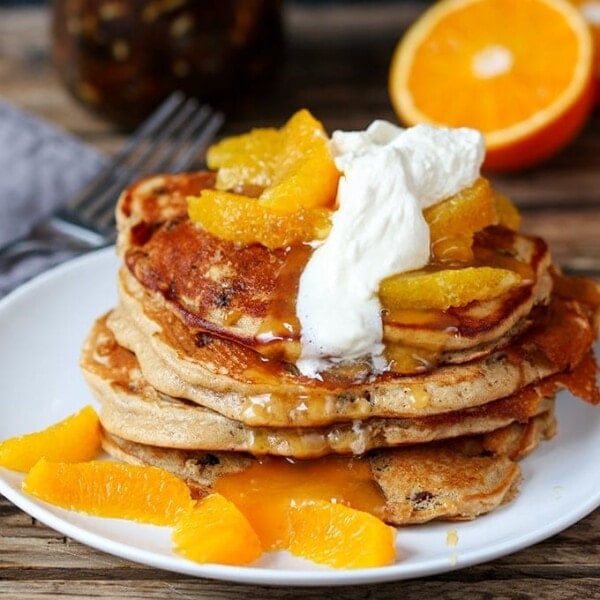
(336, 65)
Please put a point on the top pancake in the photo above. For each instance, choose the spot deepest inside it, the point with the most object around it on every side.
(197, 311)
(236, 381)
(246, 293)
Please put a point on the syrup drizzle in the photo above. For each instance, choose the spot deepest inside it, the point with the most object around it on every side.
(271, 481)
(281, 325)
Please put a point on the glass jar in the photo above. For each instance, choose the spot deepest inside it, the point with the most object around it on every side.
(122, 57)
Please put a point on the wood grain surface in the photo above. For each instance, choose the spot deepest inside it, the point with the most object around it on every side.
(335, 64)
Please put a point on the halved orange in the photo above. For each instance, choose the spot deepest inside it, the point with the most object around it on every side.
(292, 179)
(520, 71)
(590, 9)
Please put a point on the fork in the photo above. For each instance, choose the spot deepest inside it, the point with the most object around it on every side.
(168, 141)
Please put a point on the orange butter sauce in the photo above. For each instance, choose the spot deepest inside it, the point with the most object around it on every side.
(298, 410)
(279, 333)
(267, 490)
(281, 323)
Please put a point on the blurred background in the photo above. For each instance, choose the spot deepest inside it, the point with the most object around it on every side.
(120, 58)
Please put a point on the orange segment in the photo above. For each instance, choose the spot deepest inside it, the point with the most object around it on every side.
(470, 210)
(272, 526)
(293, 164)
(518, 71)
(443, 289)
(245, 160)
(508, 214)
(453, 222)
(305, 175)
(109, 489)
(341, 537)
(248, 221)
(74, 439)
(216, 532)
(295, 178)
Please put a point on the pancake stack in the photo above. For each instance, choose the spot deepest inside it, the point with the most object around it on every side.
(194, 368)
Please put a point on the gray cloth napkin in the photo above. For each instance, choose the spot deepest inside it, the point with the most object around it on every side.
(41, 167)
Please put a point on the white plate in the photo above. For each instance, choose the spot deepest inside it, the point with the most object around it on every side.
(42, 326)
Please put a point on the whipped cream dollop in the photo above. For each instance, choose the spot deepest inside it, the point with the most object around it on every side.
(389, 176)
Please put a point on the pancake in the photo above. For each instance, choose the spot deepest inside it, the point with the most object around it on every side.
(445, 480)
(246, 293)
(203, 317)
(131, 408)
(196, 368)
(240, 384)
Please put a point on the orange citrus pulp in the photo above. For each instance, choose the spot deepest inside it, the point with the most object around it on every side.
(453, 222)
(216, 531)
(443, 289)
(110, 489)
(291, 172)
(74, 439)
(452, 225)
(213, 529)
(517, 70)
(293, 512)
(245, 220)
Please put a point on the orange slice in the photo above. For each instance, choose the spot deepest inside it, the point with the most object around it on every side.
(74, 439)
(248, 159)
(217, 532)
(453, 222)
(590, 9)
(292, 179)
(246, 220)
(340, 536)
(519, 71)
(110, 489)
(508, 214)
(443, 289)
(292, 164)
